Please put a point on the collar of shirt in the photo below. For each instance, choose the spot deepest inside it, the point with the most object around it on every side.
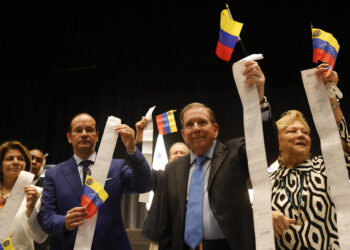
(304, 167)
(209, 153)
(78, 160)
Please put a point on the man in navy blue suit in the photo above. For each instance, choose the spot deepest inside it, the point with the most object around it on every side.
(61, 213)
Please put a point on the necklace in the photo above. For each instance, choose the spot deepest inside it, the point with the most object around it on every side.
(297, 208)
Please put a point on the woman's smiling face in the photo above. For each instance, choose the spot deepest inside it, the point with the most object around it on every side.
(13, 163)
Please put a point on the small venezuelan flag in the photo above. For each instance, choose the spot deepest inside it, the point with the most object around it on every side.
(325, 47)
(93, 197)
(229, 33)
(6, 245)
(166, 123)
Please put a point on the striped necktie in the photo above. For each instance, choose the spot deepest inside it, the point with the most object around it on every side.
(86, 169)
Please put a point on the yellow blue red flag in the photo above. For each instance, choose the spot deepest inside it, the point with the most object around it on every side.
(228, 37)
(93, 197)
(6, 244)
(166, 123)
(325, 48)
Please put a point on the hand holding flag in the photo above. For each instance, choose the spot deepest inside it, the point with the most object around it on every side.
(93, 197)
(325, 48)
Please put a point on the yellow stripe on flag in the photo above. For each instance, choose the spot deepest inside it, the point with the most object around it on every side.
(228, 25)
(172, 122)
(325, 36)
(94, 185)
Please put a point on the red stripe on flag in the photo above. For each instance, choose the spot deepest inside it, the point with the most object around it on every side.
(320, 54)
(89, 205)
(223, 52)
(160, 125)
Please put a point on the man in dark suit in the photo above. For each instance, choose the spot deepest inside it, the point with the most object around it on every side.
(225, 213)
(153, 226)
(61, 214)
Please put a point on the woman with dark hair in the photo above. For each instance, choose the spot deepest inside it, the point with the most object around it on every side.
(14, 158)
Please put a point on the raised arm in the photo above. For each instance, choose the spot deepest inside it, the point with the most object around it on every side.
(254, 75)
(127, 135)
(333, 78)
(140, 125)
(338, 114)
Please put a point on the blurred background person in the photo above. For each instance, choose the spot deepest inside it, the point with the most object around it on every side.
(38, 163)
(14, 158)
(177, 150)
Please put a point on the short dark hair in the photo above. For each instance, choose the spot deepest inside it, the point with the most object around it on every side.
(70, 123)
(197, 105)
(6, 146)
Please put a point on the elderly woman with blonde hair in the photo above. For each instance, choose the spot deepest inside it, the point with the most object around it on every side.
(304, 215)
(14, 158)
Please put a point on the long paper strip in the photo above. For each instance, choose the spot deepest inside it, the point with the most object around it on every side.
(256, 155)
(104, 157)
(332, 152)
(13, 203)
(147, 147)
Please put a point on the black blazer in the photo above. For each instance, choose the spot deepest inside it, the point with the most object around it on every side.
(227, 190)
(154, 223)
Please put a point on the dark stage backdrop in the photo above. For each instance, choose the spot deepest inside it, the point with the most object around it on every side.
(58, 60)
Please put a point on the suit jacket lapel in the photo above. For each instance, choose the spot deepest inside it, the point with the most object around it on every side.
(182, 171)
(219, 155)
(71, 173)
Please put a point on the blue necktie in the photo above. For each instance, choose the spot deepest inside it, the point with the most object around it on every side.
(194, 212)
(86, 169)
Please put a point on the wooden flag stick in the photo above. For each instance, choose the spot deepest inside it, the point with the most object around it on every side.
(244, 50)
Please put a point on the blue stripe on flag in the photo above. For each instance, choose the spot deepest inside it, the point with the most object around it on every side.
(321, 44)
(166, 123)
(227, 39)
(92, 195)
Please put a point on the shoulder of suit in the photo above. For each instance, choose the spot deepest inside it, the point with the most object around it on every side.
(178, 162)
(235, 142)
(117, 162)
(59, 166)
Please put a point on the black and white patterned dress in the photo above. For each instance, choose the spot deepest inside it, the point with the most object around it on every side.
(318, 227)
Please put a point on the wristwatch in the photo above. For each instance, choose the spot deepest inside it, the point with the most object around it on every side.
(264, 103)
